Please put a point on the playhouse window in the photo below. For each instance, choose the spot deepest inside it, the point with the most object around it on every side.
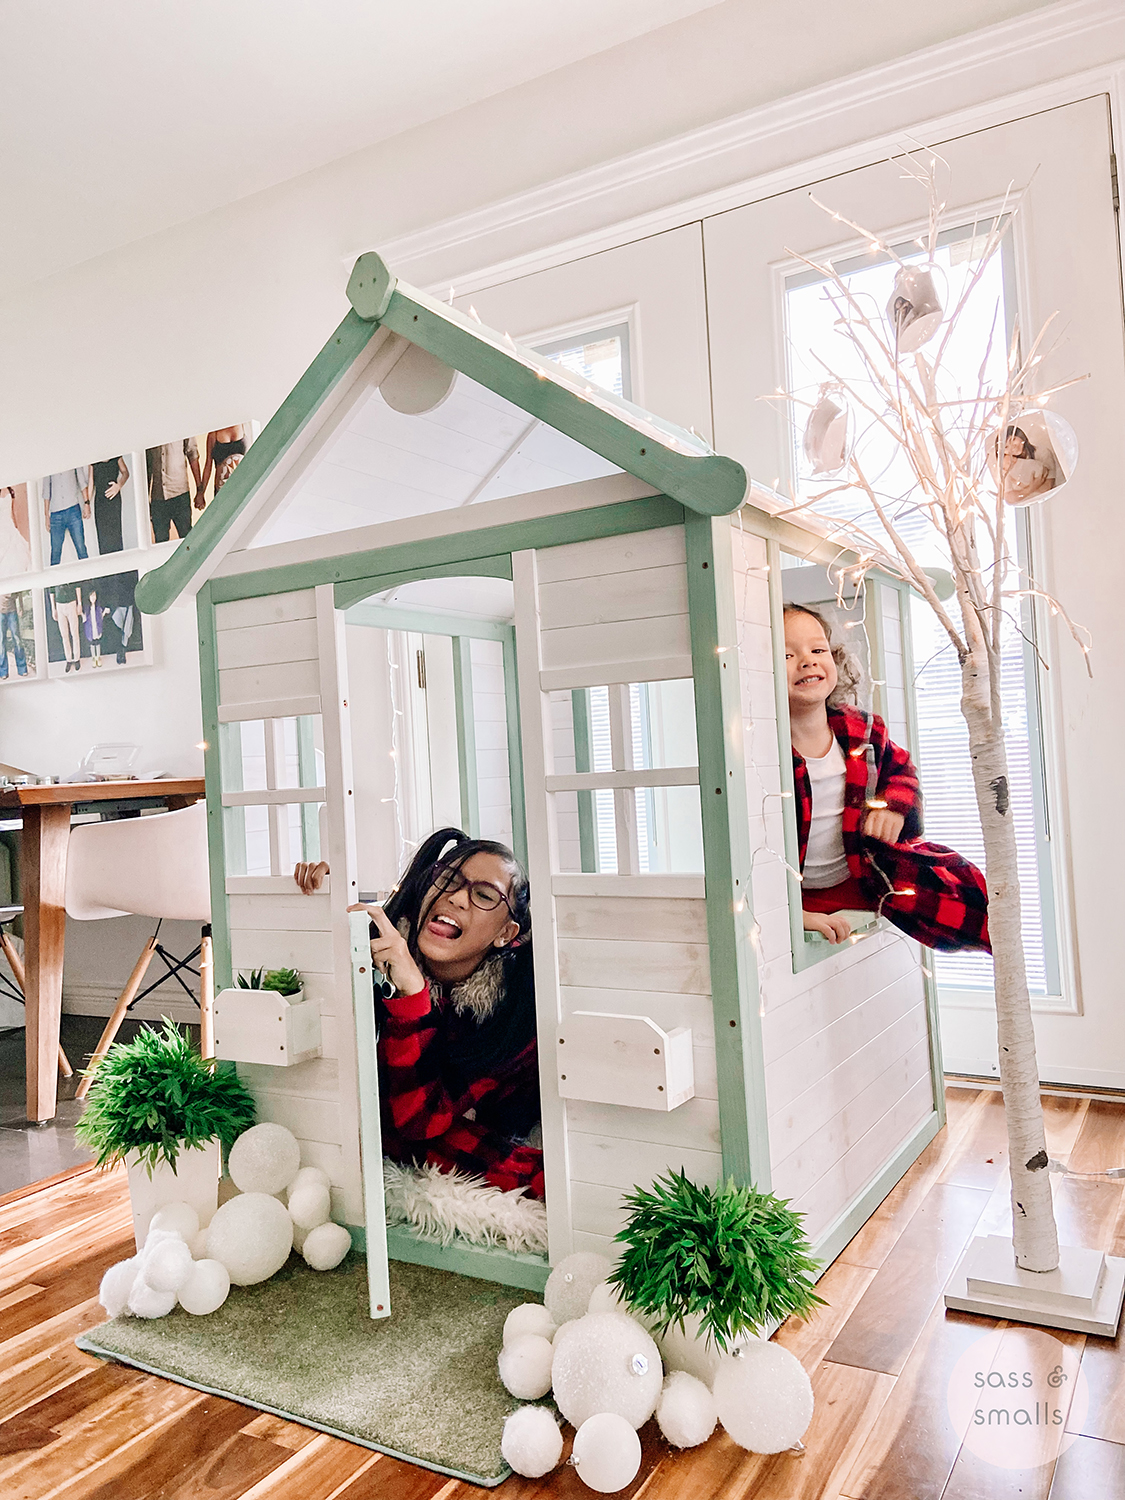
(600, 355)
(940, 743)
(608, 734)
(273, 792)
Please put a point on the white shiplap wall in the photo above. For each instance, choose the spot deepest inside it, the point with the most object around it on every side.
(601, 612)
(845, 1041)
(278, 656)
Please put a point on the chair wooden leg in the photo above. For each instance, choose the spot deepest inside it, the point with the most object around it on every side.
(15, 963)
(206, 995)
(140, 968)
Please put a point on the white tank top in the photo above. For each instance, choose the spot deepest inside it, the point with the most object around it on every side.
(825, 861)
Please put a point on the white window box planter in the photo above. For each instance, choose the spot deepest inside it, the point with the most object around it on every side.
(261, 1026)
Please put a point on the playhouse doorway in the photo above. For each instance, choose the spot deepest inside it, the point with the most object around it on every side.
(435, 737)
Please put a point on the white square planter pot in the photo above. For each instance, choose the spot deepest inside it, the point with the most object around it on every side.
(261, 1026)
(194, 1180)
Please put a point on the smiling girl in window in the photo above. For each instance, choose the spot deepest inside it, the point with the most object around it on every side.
(458, 1063)
(859, 810)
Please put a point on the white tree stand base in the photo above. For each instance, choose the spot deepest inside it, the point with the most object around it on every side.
(1085, 1293)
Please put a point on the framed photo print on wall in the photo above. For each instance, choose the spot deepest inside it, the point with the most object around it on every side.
(184, 476)
(19, 655)
(89, 511)
(94, 623)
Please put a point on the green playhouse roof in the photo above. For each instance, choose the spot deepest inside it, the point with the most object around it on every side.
(623, 436)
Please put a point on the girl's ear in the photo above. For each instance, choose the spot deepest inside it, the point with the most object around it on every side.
(511, 930)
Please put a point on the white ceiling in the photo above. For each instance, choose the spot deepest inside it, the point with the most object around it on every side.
(123, 117)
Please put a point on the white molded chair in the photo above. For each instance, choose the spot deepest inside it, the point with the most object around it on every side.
(149, 867)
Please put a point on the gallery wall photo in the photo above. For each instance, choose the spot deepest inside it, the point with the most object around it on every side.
(93, 624)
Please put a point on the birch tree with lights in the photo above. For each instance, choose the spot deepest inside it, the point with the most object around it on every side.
(972, 454)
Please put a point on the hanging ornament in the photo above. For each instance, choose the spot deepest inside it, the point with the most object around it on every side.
(1034, 458)
(915, 309)
(826, 433)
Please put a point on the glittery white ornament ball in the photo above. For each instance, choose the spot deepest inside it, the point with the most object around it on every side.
(529, 1317)
(325, 1246)
(531, 1442)
(166, 1263)
(181, 1218)
(252, 1235)
(606, 1453)
(265, 1159)
(299, 1237)
(688, 1348)
(606, 1298)
(763, 1397)
(206, 1288)
(686, 1412)
(117, 1283)
(310, 1205)
(606, 1362)
(146, 1302)
(525, 1366)
(567, 1293)
(198, 1245)
(310, 1174)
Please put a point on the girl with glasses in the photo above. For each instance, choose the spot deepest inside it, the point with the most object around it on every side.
(458, 1066)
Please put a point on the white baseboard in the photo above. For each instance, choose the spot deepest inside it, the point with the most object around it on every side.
(1080, 1078)
(99, 999)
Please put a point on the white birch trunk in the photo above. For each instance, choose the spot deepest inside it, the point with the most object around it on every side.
(1034, 1235)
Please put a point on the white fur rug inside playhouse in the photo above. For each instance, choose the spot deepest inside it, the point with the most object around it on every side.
(442, 1206)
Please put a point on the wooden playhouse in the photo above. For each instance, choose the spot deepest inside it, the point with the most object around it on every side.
(452, 582)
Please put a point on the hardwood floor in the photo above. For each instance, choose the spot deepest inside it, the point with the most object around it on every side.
(880, 1357)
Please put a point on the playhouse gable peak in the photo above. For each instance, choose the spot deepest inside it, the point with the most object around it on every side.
(414, 407)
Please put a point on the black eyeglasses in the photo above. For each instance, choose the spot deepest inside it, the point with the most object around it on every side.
(483, 895)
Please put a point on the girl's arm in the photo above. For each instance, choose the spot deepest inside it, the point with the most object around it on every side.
(897, 785)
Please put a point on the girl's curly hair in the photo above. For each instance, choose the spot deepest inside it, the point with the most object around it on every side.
(849, 673)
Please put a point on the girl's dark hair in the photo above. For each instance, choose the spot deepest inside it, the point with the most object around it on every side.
(1018, 432)
(503, 1034)
(849, 674)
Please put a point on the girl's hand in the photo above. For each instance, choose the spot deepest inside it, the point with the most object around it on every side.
(832, 925)
(310, 877)
(390, 953)
(883, 824)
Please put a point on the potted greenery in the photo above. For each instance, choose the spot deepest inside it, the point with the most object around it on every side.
(704, 1267)
(168, 1114)
(265, 1018)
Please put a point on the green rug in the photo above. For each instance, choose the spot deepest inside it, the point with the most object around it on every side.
(420, 1385)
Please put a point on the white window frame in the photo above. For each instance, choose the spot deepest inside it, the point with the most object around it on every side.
(1043, 709)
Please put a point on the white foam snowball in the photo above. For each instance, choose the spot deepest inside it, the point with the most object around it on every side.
(531, 1442)
(264, 1159)
(606, 1298)
(310, 1174)
(166, 1265)
(687, 1348)
(117, 1283)
(763, 1397)
(528, 1317)
(206, 1288)
(146, 1302)
(686, 1412)
(525, 1366)
(310, 1205)
(606, 1362)
(180, 1218)
(567, 1293)
(325, 1246)
(606, 1452)
(198, 1245)
(252, 1235)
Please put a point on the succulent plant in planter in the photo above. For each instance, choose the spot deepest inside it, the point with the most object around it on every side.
(284, 981)
(729, 1259)
(168, 1113)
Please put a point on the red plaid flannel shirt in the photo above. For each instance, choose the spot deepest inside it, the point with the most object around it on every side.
(939, 898)
(424, 1121)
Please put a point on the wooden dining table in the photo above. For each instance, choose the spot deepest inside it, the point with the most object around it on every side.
(46, 812)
